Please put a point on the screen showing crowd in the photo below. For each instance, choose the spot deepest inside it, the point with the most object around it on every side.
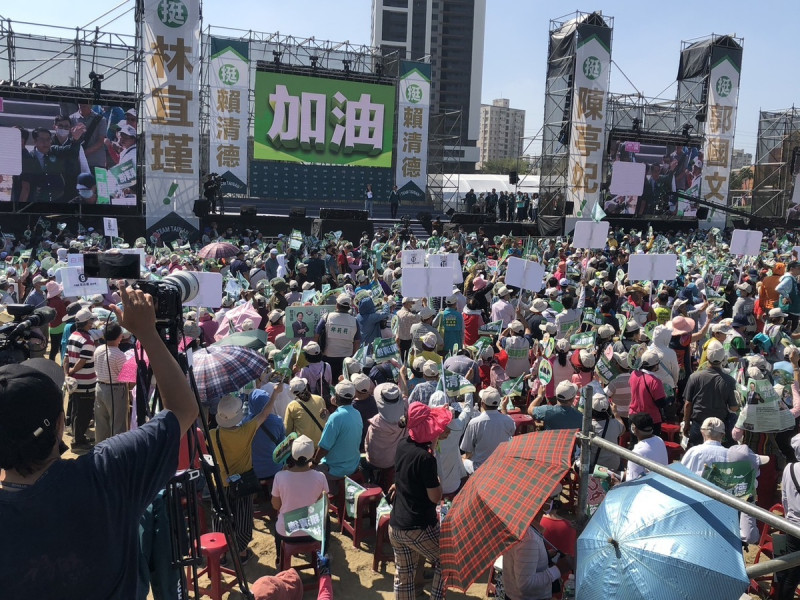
(72, 153)
(669, 168)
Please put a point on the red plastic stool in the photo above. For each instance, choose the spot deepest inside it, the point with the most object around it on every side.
(669, 431)
(366, 507)
(213, 547)
(523, 422)
(382, 538)
(290, 549)
(674, 451)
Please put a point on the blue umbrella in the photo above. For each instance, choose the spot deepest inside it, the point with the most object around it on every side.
(654, 538)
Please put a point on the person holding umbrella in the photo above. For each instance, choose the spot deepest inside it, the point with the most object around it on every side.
(414, 524)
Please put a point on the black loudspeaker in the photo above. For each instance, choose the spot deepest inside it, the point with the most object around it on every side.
(702, 213)
(569, 207)
(513, 178)
(468, 219)
(343, 214)
(450, 212)
(298, 212)
(247, 210)
(201, 208)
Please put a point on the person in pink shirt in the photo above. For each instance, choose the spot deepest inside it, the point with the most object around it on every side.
(207, 325)
(647, 390)
(563, 370)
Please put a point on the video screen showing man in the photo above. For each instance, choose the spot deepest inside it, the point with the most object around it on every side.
(670, 168)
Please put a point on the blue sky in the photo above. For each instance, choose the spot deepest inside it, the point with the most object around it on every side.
(646, 43)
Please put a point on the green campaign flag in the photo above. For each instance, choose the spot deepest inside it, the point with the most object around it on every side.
(648, 329)
(242, 281)
(386, 350)
(326, 287)
(352, 491)
(737, 478)
(455, 384)
(606, 369)
(375, 290)
(296, 240)
(549, 347)
(285, 357)
(591, 317)
(582, 340)
(635, 355)
(481, 345)
(309, 520)
(598, 214)
(623, 323)
(361, 353)
(493, 328)
(545, 373)
(513, 387)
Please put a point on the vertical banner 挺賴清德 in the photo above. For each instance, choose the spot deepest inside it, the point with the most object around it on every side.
(171, 108)
(229, 85)
(587, 140)
(414, 100)
(723, 98)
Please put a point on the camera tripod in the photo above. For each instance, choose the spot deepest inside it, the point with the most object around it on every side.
(182, 490)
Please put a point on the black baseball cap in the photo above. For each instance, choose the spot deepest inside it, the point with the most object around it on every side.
(642, 421)
(30, 404)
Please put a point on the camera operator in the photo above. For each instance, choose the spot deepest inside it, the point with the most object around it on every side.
(211, 189)
(48, 504)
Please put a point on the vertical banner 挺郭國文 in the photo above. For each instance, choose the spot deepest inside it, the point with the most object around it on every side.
(229, 84)
(723, 97)
(411, 172)
(587, 140)
(171, 107)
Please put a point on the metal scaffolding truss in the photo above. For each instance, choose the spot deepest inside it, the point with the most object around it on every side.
(444, 147)
(558, 109)
(65, 56)
(777, 159)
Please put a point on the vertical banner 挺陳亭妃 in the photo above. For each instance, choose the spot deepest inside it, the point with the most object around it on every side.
(723, 98)
(171, 107)
(414, 100)
(229, 85)
(587, 140)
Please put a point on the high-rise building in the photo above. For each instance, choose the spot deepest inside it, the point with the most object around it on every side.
(501, 132)
(740, 159)
(450, 32)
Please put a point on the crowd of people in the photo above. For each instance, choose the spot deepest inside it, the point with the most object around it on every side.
(358, 384)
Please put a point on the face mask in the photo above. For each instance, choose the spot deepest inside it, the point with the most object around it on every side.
(62, 134)
(739, 293)
(85, 193)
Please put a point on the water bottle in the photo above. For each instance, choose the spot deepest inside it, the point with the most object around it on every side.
(569, 588)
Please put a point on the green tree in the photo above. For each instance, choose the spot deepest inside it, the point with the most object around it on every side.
(503, 166)
(739, 176)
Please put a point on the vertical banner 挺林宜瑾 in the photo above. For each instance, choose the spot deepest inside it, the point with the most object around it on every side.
(411, 172)
(229, 84)
(171, 107)
(723, 97)
(587, 138)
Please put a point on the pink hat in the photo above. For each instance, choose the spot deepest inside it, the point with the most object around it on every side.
(425, 424)
(682, 325)
(478, 283)
(53, 289)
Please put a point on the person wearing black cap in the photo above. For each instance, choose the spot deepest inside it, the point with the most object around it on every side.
(46, 503)
(648, 446)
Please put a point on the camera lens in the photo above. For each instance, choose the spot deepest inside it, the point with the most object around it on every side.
(186, 284)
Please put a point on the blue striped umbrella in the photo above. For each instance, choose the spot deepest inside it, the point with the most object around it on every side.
(654, 538)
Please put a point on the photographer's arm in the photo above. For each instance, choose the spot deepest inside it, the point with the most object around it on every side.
(138, 316)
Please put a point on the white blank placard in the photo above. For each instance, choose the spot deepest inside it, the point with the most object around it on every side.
(10, 154)
(746, 242)
(525, 274)
(627, 179)
(427, 282)
(210, 294)
(589, 234)
(650, 267)
(412, 259)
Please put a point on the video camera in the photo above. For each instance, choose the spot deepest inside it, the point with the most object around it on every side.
(215, 180)
(15, 337)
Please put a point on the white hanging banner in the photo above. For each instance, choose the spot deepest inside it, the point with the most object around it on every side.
(171, 107)
(229, 84)
(414, 103)
(587, 139)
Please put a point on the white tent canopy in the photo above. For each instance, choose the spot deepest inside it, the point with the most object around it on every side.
(456, 186)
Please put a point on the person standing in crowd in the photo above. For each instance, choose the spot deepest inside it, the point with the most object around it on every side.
(647, 390)
(111, 413)
(80, 366)
(394, 201)
(338, 335)
(406, 319)
(561, 416)
(368, 200)
(710, 392)
(710, 451)
(789, 293)
(413, 523)
(487, 431)
(338, 452)
(648, 445)
(789, 579)
(306, 414)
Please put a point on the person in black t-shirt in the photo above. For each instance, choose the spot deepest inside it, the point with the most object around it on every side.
(414, 524)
